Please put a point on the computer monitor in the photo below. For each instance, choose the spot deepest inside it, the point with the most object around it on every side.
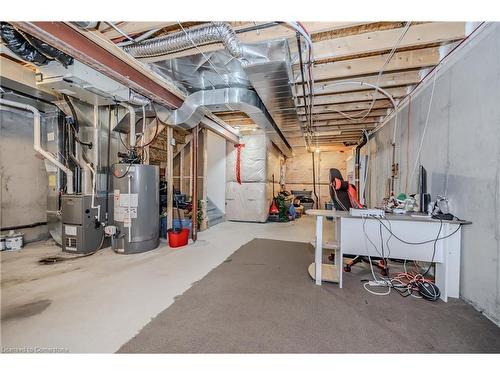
(422, 189)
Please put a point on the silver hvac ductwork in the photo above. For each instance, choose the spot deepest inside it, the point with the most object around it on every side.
(264, 81)
(196, 105)
(163, 45)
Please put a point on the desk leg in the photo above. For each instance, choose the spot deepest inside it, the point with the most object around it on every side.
(448, 272)
(339, 259)
(318, 255)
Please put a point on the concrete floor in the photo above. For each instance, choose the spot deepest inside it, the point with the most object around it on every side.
(96, 304)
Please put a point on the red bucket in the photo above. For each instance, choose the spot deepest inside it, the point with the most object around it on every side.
(178, 238)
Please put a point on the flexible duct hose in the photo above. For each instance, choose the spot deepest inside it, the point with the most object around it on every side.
(30, 48)
(163, 45)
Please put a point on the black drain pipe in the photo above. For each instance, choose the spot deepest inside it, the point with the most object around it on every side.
(357, 166)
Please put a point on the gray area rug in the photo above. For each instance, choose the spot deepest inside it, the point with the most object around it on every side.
(262, 300)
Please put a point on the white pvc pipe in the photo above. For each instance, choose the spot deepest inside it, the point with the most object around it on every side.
(37, 141)
(131, 112)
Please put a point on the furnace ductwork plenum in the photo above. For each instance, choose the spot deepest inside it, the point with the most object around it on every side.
(213, 33)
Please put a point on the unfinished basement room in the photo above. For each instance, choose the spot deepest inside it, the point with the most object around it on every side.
(249, 186)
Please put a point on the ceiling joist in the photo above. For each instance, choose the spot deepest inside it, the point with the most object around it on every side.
(432, 33)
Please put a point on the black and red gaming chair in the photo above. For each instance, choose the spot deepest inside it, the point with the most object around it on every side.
(343, 194)
(344, 197)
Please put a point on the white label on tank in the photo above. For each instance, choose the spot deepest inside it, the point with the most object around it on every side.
(50, 137)
(133, 213)
(124, 200)
(118, 214)
(70, 230)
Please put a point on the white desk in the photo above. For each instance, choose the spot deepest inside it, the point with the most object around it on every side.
(351, 239)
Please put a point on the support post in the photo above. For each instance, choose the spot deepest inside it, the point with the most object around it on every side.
(181, 172)
(170, 176)
(204, 223)
(318, 255)
(194, 191)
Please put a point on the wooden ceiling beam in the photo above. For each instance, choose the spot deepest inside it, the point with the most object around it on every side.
(338, 116)
(348, 107)
(387, 80)
(342, 123)
(236, 122)
(355, 96)
(432, 33)
(401, 61)
(336, 125)
(132, 28)
(356, 30)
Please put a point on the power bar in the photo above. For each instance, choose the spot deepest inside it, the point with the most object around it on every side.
(378, 283)
(366, 212)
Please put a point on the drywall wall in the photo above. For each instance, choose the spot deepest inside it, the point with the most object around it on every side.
(299, 171)
(23, 177)
(461, 152)
(216, 170)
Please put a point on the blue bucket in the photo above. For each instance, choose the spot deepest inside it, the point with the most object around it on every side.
(186, 223)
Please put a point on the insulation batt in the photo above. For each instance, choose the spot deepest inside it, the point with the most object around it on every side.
(259, 160)
(248, 201)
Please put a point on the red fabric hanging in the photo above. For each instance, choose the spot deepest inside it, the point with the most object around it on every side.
(238, 147)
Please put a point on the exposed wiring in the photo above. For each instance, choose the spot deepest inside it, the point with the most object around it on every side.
(143, 124)
(424, 131)
(389, 58)
(338, 200)
(120, 31)
(404, 283)
(75, 119)
(408, 128)
(367, 165)
(299, 27)
(476, 32)
(158, 122)
(138, 39)
(421, 242)
(59, 259)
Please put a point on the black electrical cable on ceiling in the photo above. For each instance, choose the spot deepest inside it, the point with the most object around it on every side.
(158, 122)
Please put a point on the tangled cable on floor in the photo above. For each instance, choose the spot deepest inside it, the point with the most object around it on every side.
(408, 283)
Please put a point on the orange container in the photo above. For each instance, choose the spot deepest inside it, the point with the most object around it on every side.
(178, 238)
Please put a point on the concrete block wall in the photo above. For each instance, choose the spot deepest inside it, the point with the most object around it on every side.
(23, 177)
(461, 153)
